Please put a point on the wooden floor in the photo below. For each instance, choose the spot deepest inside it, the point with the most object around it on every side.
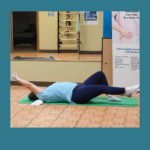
(54, 116)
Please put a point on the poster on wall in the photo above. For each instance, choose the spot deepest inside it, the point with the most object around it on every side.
(51, 13)
(126, 48)
(90, 18)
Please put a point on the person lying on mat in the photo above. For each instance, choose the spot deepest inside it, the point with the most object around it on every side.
(73, 93)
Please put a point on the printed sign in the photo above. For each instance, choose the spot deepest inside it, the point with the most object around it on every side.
(126, 48)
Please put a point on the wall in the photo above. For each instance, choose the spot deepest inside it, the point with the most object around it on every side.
(91, 35)
(47, 31)
(56, 71)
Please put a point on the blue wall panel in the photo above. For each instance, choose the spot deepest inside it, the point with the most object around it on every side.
(107, 25)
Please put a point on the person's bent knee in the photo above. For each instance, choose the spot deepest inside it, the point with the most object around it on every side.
(100, 72)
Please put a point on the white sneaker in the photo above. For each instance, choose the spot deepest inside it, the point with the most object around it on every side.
(111, 98)
(132, 89)
(138, 90)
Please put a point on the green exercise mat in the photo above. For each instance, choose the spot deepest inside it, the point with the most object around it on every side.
(97, 101)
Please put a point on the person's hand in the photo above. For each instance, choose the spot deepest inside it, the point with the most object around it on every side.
(126, 34)
(37, 102)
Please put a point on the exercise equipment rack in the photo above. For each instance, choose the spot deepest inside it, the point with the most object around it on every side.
(68, 25)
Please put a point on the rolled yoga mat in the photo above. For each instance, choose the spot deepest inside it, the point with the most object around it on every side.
(97, 101)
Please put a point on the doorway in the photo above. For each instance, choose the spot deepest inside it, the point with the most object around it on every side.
(25, 29)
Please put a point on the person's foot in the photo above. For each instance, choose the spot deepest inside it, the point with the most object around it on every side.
(132, 89)
(138, 90)
(14, 76)
(111, 98)
(51, 57)
(127, 94)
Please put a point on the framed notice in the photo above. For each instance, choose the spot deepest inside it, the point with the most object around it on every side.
(51, 13)
(90, 18)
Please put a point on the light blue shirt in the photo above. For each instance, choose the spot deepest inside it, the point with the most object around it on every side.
(58, 92)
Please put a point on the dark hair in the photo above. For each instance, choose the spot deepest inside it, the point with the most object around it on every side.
(32, 96)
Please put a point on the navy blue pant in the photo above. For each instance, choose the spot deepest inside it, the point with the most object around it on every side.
(95, 85)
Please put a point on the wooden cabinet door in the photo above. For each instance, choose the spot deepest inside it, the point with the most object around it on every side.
(107, 59)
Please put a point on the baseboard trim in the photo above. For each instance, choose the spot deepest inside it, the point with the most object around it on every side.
(60, 51)
(16, 83)
(90, 52)
(70, 51)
